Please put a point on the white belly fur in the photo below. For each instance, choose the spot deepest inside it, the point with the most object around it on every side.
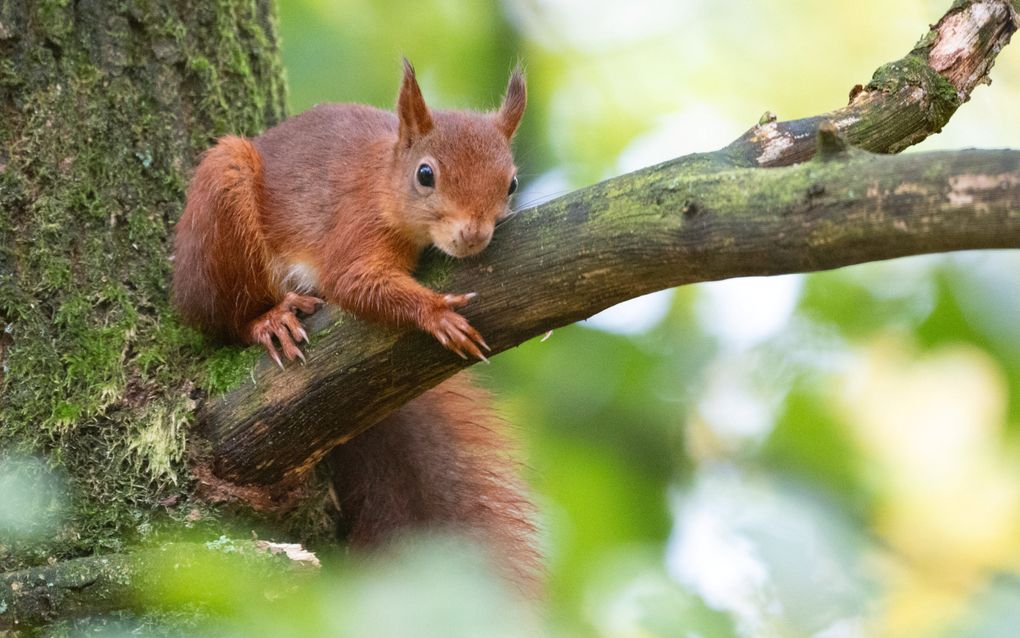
(297, 277)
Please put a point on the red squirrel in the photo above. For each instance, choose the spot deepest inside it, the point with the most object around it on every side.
(338, 202)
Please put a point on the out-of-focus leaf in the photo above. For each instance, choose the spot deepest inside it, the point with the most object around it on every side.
(809, 442)
(949, 323)
(860, 300)
(775, 554)
(994, 612)
(33, 501)
(630, 594)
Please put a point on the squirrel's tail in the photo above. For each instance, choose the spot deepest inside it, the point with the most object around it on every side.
(440, 462)
(218, 292)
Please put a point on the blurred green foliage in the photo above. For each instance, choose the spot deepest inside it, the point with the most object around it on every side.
(33, 503)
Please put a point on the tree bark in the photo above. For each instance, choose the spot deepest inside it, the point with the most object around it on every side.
(104, 107)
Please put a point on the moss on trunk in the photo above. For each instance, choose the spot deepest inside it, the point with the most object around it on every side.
(104, 107)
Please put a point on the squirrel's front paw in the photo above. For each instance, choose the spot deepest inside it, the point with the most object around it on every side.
(453, 330)
(281, 322)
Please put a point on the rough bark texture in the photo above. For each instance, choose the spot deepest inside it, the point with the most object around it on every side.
(104, 107)
(702, 217)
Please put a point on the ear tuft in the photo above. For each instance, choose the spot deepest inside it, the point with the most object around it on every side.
(413, 113)
(516, 98)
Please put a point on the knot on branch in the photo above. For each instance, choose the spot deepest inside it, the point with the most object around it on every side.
(829, 143)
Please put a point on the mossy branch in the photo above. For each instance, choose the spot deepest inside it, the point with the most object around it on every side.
(689, 220)
(144, 579)
(697, 218)
(906, 100)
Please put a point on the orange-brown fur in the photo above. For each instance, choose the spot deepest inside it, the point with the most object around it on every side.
(330, 202)
(213, 289)
(441, 462)
(330, 193)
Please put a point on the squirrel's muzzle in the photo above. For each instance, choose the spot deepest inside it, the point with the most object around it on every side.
(472, 239)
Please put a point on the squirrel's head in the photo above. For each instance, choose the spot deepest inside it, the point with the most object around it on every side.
(454, 168)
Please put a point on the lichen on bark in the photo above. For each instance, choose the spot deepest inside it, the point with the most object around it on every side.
(103, 110)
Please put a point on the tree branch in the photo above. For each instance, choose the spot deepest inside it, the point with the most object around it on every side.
(95, 584)
(697, 218)
(906, 100)
(673, 224)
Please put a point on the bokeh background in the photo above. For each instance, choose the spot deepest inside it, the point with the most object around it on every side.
(829, 455)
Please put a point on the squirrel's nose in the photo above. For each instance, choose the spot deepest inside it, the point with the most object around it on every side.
(474, 239)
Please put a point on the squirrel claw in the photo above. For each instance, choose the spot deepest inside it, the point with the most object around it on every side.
(458, 301)
(267, 343)
(281, 323)
(455, 334)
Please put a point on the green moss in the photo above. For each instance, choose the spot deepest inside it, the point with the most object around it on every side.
(97, 138)
(913, 70)
(8, 74)
(438, 272)
(229, 367)
(910, 70)
(945, 100)
(926, 41)
(156, 440)
(53, 20)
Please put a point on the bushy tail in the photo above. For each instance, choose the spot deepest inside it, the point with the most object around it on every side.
(440, 462)
(213, 290)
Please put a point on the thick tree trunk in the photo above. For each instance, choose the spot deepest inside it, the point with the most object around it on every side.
(104, 107)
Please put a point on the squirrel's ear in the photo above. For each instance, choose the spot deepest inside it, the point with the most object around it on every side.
(516, 98)
(414, 115)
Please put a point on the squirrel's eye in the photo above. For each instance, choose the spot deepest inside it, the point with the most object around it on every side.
(513, 186)
(426, 176)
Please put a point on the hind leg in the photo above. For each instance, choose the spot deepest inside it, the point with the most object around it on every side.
(281, 322)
